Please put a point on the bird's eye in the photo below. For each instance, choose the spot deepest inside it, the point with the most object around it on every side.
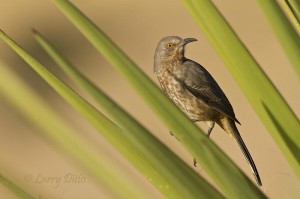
(169, 45)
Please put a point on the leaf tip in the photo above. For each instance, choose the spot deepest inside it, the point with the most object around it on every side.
(4, 36)
(2, 33)
(34, 31)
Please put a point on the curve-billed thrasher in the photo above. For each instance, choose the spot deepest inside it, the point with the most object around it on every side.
(190, 86)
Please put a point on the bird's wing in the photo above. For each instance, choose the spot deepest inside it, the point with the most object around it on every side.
(201, 84)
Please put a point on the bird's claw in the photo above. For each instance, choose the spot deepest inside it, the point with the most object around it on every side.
(195, 162)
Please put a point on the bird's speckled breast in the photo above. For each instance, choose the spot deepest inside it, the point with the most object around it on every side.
(193, 107)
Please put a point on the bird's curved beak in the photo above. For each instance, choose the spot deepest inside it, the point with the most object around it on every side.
(187, 40)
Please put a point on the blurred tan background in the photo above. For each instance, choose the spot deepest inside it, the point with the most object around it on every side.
(136, 26)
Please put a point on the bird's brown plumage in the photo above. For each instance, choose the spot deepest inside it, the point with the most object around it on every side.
(190, 86)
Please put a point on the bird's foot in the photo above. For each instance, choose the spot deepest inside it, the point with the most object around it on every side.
(195, 162)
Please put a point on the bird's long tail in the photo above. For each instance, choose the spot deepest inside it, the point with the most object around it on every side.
(229, 126)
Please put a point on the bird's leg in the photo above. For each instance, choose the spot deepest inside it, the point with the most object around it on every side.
(210, 127)
(195, 162)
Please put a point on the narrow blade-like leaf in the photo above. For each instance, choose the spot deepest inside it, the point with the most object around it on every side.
(294, 5)
(291, 14)
(14, 188)
(284, 31)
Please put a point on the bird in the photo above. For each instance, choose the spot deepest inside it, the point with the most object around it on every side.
(193, 89)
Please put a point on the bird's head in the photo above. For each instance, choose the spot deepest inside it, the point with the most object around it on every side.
(171, 48)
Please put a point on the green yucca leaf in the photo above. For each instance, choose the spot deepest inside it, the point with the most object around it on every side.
(14, 188)
(286, 34)
(231, 180)
(173, 178)
(294, 6)
(272, 109)
(38, 113)
(291, 14)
